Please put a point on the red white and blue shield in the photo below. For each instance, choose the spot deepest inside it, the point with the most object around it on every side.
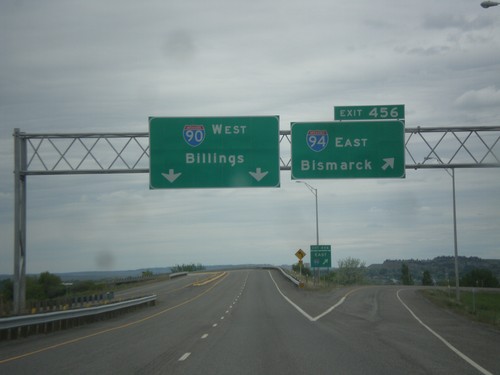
(317, 140)
(194, 134)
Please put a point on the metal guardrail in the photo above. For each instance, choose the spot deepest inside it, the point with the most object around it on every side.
(298, 283)
(29, 320)
(177, 274)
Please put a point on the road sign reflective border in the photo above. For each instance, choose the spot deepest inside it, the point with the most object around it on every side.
(355, 149)
(214, 152)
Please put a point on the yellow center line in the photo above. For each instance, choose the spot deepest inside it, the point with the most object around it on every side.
(209, 280)
(111, 329)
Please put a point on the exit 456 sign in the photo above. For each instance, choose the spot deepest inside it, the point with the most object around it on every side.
(370, 112)
(321, 256)
(214, 152)
(369, 149)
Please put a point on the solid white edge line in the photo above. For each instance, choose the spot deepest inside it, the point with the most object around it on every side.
(291, 302)
(331, 308)
(340, 302)
(451, 347)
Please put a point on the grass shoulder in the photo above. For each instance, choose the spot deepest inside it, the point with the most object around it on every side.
(479, 305)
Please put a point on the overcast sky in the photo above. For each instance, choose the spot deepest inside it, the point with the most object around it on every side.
(86, 66)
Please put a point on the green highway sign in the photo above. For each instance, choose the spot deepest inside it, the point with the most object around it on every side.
(214, 152)
(321, 256)
(370, 112)
(321, 247)
(354, 149)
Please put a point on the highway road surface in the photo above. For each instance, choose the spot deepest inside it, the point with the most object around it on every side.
(257, 322)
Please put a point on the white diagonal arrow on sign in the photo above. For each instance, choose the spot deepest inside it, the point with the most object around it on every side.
(258, 174)
(389, 162)
(171, 176)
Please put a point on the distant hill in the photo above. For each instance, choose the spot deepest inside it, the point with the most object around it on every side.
(101, 275)
(108, 275)
(442, 269)
(111, 275)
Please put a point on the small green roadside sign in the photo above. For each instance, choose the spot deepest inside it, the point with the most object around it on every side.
(352, 149)
(370, 112)
(321, 256)
(214, 152)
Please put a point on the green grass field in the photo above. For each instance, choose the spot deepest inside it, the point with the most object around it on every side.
(482, 306)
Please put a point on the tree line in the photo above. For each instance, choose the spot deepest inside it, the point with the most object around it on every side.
(478, 277)
(48, 286)
(187, 268)
(352, 271)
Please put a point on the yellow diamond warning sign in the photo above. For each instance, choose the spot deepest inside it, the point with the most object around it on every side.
(300, 254)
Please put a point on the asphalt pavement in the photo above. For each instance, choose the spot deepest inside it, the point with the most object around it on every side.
(257, 322)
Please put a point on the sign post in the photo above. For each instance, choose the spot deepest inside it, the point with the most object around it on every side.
(214, 152)
(300, 254)
(321, 257)
(360, 149)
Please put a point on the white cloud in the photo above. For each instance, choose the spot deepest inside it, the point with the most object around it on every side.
(106, 67)
(484, 97)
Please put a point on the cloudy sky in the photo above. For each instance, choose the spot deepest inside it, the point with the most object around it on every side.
(106, 66)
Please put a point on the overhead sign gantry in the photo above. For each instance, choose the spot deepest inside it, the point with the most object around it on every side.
(89, 153)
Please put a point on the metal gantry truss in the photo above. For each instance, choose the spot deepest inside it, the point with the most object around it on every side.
(106, 153)
(91, 153)
(453, 147)
(98, 153)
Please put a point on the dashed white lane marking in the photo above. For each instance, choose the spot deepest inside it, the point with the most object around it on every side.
(205, 335)
(451, 347)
